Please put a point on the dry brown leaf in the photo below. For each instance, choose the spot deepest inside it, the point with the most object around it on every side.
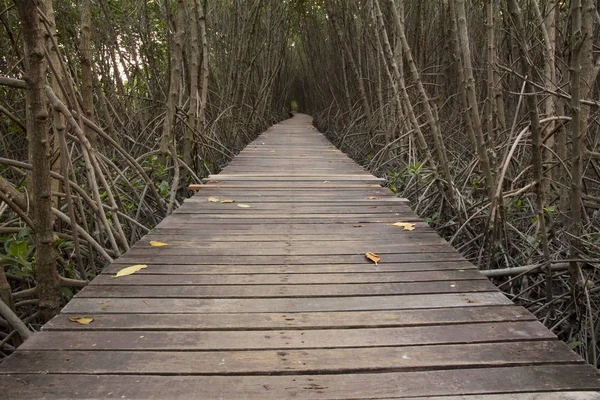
(155, 243)
(213, 200)
(406, 225)
(130, 270)
(373, 257)
(227, 201)
(81, 320)
(243, 206)
(372, 198)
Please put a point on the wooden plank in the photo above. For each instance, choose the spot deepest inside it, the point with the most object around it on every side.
(145, 258)
(288, 339)
(312, 320)
(308, 361)
(234, 269)
(138, 290)
(472, 381)
(148, 278)
(195, 306)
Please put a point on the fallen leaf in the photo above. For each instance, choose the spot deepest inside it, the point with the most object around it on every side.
(372, 198)
(357, 226)
(213, 199)
(130, 270)
(157, 244)
(227, 201)
(325, 181)
(243, 206)
(373, 257)
(406, 225)
(81, 320)
(213, 181)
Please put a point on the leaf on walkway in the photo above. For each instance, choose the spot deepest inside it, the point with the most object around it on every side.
(130, 270)
(243, 206)
(213, 181)
(406, 225)
(155, 243)
(227, 201)
(213, 199)
(373, 257)
(81, 320)
(325, 181)
(372, 198)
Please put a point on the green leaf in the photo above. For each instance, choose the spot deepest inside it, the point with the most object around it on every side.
(18, 248)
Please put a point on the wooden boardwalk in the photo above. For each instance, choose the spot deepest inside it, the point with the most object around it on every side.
(277, 300)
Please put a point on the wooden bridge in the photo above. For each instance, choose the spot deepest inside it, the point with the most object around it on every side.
(271, 297)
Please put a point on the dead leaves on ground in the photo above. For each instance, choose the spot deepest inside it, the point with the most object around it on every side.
(155, 243)
(227, 201)
(373, 257)
(406, 225)
(213, 200)
(81, 320)
(130, 270)
(243, 206)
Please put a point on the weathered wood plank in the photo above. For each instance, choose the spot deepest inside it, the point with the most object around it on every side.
(194, 306)
(308, 361)
(288, 339)
(148, 278)
(472, 381)
(312, 320)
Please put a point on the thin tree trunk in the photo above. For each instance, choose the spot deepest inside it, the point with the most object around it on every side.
(353, 64)
(473, 108)
(176, 52)
(39, 156)
(87, 84)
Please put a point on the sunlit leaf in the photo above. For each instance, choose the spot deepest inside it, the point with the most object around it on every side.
(406, 225)
(373, 257)
(81, 320)
(130, 270)
(213, 200)
(227, 201)
(243, 206)
(155, 243)
(372, 198)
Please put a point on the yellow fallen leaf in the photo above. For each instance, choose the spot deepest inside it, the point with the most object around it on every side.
(213, 199)
(406, 225)
(325, 181)
(227, 201)
(373, 257)
(372, 198)
(213, 181)
(81, 320)
(243, 206)
(130, 270)
(157, 244)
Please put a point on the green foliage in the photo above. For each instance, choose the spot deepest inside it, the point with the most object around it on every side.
(294, 106)
(398, 180)
(18, 253)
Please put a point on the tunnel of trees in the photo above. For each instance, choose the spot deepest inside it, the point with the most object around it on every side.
(482, 112)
